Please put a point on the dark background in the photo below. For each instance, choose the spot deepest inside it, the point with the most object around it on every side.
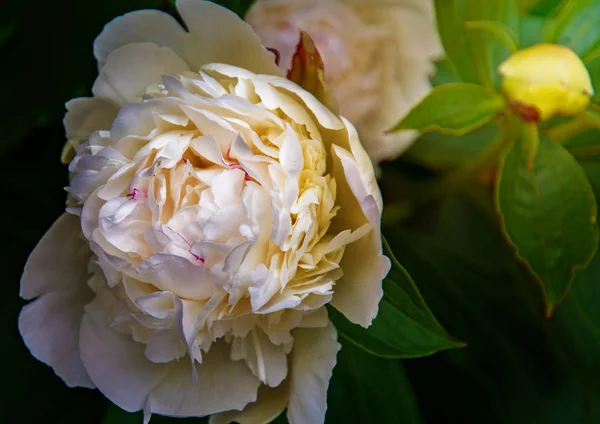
(518, 367)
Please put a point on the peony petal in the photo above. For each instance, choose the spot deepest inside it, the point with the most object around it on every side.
(325, 117)
(270, 404)
(311, 367)
(86, 115)
(222, 385)
(236, 43)
(50, 328)
(367, 173)
(165, 346)
(116, 363)
(131, 69)
(266, 360)
(358, 292)
(119, 368)
(58, 262)
(150, 26)
(178, 275)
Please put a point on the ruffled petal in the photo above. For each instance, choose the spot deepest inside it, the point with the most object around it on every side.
(131, 69)
(312, 362)
(236, 43)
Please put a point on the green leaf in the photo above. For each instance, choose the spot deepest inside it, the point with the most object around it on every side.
(543, 7)
(404, 326)
(519, 367)
(565, 13)
(499, 30)
(440, 151)
(532, 30)
(455, 109)
(581, 32)
(577, 27)
(549, 213)
(367, 389)
(580, 317)
(526, 6)
(450, 18)
(443, 73)
(488, 51)
(591, 166)
(474, 56)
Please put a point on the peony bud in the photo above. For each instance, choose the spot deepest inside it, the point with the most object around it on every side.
(546, 80)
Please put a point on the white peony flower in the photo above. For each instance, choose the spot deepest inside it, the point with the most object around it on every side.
(215, 208)
(377, 55)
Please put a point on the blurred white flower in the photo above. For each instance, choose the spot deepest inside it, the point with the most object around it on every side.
(377, 54)
(215, 209)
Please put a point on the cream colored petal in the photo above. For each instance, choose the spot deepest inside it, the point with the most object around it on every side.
(131, 69)
(270, 404)
(313, 358)
(59, 261)
(86, 115)
(413, 23)
(266, 360)
(366, 171)
(50, 329)
(141, 26)
(56, 271)
(222, 385)
(120, 369)
(220, 36)
(116, 363)
(358, 292)
(323, 115)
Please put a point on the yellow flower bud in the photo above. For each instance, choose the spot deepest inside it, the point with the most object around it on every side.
(545, 80)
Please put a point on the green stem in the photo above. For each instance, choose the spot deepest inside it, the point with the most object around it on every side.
(531, 137)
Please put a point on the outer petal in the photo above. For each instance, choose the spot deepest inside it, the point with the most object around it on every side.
(312, 362)
(270, 404)
(131, 69)
(119, 368)
(222, 37)
(57, 272)
(150, 26)
(115, 363)
(358, 292)
(58, 262)
(50, 329)
(222, 385)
